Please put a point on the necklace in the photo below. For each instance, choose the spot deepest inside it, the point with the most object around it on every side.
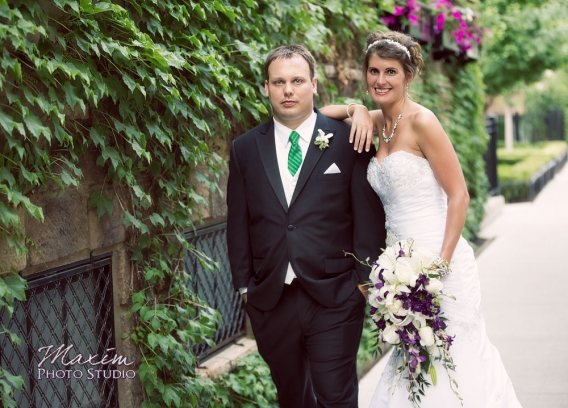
(388, 139)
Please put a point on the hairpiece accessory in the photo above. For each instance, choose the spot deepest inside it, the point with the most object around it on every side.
(348, 106)
(395, 43)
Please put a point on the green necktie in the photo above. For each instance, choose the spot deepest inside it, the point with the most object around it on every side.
(295, 154)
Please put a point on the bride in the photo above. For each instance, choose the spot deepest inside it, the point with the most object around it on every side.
(417, 175)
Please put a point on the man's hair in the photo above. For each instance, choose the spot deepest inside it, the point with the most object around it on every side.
(290, 51)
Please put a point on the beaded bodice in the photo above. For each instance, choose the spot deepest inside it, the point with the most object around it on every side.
(415, 204)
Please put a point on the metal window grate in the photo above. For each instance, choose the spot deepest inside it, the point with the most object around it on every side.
(216, 287)
(70, 305)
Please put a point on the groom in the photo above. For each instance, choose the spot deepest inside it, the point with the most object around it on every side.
(293, 209)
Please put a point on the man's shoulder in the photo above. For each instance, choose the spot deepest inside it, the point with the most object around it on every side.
(249, 135)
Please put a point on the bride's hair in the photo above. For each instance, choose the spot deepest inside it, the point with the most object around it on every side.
(397, 46)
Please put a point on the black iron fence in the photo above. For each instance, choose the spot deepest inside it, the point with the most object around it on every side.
(491, 155)
(67, 307)
(216, 287)
(544, 175)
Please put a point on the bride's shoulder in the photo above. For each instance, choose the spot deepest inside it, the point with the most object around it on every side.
(423, 120)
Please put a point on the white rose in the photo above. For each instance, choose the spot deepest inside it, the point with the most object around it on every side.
(423, 255)
(434, 352)
(390, 335)
(426, 336)
(434, 286)
(407, 271)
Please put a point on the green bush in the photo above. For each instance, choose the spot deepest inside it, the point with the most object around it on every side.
(518, 166)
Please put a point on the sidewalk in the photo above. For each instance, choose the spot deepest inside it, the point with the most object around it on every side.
(524, 285)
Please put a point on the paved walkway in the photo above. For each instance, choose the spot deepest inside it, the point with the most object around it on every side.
(524, 286)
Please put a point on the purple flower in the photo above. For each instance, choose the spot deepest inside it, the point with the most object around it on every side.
(415, 361)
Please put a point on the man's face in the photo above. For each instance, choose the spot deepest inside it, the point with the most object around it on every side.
(290, 90)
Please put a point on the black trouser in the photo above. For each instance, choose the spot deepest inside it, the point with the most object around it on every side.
(311, 349)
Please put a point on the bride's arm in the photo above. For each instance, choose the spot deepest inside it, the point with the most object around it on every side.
(362, 122)
(437, 147)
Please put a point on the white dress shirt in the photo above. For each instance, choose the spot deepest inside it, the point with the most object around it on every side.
(283, 145)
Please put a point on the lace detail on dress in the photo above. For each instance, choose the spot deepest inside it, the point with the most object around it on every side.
(401, 173)
(468, 329)
(390, 369)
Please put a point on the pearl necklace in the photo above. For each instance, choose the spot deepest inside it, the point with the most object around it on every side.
(388, 139)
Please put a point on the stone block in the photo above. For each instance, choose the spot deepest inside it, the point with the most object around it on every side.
(108, 229)
(65, 230)
(226, 360)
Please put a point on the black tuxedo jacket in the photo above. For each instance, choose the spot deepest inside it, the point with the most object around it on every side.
(328, 214)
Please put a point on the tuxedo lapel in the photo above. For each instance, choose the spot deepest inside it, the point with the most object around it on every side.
(313, 154)
(267, 150)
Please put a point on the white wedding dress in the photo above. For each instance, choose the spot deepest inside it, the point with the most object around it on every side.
(415, 207)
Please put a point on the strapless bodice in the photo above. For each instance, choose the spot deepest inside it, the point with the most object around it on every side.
(415, 204)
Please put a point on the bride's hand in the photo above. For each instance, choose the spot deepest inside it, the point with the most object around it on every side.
(362, 129)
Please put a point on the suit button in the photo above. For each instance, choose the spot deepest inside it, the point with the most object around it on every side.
(291, 227)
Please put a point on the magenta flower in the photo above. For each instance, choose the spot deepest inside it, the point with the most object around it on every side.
(399, 10)
(413, 18)
(440, 20)
(389, 20)
(457, 15)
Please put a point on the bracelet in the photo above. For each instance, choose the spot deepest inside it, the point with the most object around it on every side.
(442, 267)
(348, 106)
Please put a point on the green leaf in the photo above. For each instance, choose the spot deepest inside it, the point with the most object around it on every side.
(101, 201)
(153, 339)
(157, 220)
(111, 153)
(6, 122)
(15, 287)
(16, 381)
(8, 216)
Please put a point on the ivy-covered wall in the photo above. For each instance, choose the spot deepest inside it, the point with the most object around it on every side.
(121, 113)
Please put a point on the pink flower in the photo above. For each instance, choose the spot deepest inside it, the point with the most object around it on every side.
(389, 20)
(412, 6)
(440, 20)
(413, 18)
(398, 10)
(457, 15)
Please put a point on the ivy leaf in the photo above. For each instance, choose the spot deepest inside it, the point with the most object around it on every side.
(170, 395)
(8, 216)
(72, 97)
(15, 287)
(101, 201)
(16, 380)
(110, 152)
(6, 122)
(157, 220)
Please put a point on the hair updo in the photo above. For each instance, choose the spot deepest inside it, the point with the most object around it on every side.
(412, 63)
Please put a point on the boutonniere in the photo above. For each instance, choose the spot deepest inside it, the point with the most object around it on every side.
(322, 139)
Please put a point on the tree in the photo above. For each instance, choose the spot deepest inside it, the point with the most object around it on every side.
(523, 42)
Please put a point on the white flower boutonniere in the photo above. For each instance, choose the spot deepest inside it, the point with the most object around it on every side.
(322, 139)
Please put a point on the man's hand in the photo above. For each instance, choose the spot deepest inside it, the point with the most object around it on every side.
(244, 295)
(364, 290)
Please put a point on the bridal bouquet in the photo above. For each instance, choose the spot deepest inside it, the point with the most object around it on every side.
(405, 299)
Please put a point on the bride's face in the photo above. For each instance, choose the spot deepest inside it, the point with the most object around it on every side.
(386, 80)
